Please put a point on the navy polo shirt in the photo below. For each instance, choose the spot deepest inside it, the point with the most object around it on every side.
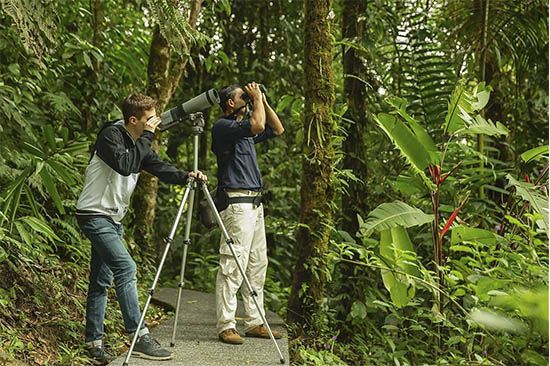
(233, 145)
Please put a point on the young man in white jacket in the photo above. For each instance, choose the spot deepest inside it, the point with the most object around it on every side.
(122, 150)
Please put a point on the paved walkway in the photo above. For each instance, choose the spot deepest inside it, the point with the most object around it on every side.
(197, 343)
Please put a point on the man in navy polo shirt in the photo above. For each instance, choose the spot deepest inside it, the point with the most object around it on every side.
(233, 140)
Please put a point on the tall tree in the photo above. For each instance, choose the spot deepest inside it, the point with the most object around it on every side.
(164, 72)
(356, 115)
(98, 25)
(354, 146)
(317, 188)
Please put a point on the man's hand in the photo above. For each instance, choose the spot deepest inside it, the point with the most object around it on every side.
(253, 91)
(198, 175)
(152, 123)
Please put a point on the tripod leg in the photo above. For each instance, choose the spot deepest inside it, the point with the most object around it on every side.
(151, 291)
(186, 242)
(229, 242)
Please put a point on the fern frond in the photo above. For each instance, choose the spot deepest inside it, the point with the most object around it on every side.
(426, 68)
(171, 17)
(35, 22)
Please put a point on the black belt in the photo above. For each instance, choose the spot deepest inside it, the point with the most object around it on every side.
(257, 200)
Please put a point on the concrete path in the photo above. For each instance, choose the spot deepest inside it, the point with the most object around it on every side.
(197, 342)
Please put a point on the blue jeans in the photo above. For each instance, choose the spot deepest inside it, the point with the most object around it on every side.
(110, 260)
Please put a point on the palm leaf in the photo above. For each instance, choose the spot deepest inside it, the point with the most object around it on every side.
(40, 226)
(52, 189)
(23, 233)
(12, 196)
(481, 126)
(425, 65)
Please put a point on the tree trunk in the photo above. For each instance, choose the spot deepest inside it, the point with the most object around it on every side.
(484, 10)
(355, 94)
(354, 145)
(317, 188)
(98, 23)
(163, 78)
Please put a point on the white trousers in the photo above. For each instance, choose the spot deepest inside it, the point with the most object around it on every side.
(245, 224)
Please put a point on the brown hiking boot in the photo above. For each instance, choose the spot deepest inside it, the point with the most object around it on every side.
(260, 331)
(230, 336)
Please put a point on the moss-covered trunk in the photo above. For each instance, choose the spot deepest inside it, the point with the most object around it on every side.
(317, 177)
(164, 72)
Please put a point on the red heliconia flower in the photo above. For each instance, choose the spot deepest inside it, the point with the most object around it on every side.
(450, 221)
(453, 216)
(435, 172)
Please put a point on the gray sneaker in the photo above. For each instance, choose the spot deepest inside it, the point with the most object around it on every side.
(99, 356)
(149, 348)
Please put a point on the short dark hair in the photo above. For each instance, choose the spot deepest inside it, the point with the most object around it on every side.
(226, 93)
(135, 105)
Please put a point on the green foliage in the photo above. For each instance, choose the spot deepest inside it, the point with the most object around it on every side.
(463, 233)
(423, 61)
(534, 154)
(406, 140)
(174, 25)
(34, 23)
(395, 214)
(463, 104)
(65, 69)
(318, 358)
(539, 201)
(482, 282)
(397, 252)
(461, 117)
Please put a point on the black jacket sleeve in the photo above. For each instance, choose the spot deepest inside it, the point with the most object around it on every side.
(164, 171)
(111, 148)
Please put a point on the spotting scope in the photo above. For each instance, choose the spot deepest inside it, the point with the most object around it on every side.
(199, 103)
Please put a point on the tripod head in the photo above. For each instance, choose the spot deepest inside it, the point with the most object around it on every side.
(196, 121)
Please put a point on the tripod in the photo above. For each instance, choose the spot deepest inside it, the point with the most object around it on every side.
(197, 121)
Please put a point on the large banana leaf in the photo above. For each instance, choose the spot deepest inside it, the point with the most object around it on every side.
(397, 252)
(461, 234)
(407, 142)
(400, 106)
(390, 215)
